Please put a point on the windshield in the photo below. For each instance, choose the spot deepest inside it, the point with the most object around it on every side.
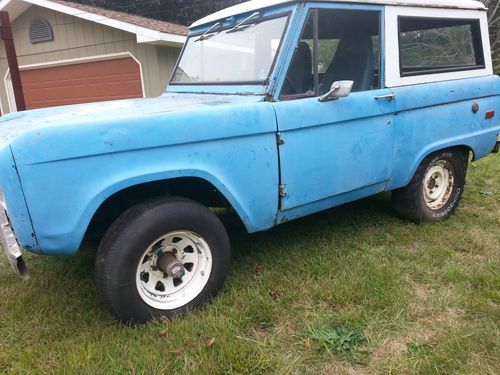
(244, 53)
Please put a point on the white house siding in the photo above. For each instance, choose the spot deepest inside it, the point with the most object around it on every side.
(75, 38)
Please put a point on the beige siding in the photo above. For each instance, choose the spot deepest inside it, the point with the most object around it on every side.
(167, 61)
(75, 38)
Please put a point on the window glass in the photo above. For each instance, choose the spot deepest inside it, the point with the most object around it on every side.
(335, 45)
(299, 80)
(327, 48)
(326, 52)
(242, 55)
(430, 45)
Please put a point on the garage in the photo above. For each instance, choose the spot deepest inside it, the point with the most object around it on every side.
(71, 53)
(85, 82)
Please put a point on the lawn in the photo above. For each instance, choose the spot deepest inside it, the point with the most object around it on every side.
(353, 290)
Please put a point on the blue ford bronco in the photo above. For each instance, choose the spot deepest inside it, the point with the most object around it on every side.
(276, 109)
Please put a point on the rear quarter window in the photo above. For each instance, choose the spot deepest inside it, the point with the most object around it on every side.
(436, 45)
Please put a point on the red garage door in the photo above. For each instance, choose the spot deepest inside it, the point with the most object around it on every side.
(82, 83)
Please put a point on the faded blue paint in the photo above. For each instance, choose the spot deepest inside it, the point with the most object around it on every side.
(63, 163)
(333, 201)
(72, 159)
(334, 147)
(345, 150)
(13, 194)
(219, 89)
(435, 116)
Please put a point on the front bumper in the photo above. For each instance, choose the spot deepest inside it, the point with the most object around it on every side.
(11, 246)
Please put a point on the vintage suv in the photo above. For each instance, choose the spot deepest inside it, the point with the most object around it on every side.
(276, 109)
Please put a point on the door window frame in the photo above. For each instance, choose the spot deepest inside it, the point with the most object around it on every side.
(295, 38)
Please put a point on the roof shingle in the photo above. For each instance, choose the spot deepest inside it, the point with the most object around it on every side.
(164, 27)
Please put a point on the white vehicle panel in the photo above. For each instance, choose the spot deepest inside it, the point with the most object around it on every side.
(392, 64)
(260, 4)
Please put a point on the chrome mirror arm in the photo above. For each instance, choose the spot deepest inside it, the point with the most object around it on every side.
(328, 96)
(339, 89)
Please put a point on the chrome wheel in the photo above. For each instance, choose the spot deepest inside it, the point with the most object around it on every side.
(438, 184)
(174, 270)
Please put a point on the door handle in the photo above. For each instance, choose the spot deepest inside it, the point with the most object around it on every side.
(388, 97)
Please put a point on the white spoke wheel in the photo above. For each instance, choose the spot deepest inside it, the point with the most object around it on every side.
(436, 189)
(162, 258)
(438, 184)
(185, 274)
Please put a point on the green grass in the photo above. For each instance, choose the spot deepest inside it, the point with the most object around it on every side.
(353, 290)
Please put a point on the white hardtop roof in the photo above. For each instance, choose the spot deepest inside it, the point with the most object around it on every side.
(259, 4)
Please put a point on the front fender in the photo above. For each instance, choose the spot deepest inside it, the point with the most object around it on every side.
(233, 149)
(12, 191)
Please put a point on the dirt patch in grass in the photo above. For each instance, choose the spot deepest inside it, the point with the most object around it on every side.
(427, 324)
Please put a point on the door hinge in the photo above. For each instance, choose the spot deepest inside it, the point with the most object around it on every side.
(283, 191)
(279, 139)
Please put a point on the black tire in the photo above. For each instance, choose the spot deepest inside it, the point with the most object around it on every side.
(122, 251)
(410, 202)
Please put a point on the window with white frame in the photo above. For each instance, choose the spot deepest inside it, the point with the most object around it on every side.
(439, 45)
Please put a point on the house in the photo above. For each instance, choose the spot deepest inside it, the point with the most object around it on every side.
(71, 53)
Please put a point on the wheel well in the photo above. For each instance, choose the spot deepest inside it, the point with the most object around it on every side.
(193, 188)
(466, 150)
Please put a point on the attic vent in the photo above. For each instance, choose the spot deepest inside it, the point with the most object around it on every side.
(40, 31)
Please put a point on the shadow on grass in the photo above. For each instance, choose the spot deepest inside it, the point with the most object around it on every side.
(350, 219)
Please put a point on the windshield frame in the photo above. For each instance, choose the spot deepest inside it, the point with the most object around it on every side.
(266, 17)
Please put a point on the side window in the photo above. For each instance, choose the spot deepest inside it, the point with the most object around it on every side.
(335, 45)
(433, 45)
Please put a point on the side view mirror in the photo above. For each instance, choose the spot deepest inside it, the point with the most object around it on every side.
(340, 89)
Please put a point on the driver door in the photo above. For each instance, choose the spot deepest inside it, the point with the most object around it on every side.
(340, 148)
